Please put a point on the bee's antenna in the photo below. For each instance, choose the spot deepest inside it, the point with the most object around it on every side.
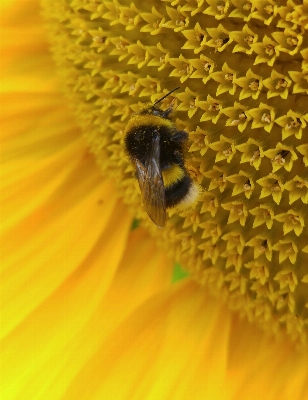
(158, 101)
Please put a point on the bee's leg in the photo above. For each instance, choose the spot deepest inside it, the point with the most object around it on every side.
(179, 158)
(167, 112)
(179, 136)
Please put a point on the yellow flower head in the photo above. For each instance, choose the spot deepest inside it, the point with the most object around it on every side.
(242, 70)
(89, 307)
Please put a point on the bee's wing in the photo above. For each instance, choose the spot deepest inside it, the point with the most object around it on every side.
(152, 185)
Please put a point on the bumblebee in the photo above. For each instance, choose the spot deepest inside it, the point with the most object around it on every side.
(156, 148)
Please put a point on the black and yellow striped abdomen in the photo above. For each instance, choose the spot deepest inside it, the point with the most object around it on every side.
(180, 189)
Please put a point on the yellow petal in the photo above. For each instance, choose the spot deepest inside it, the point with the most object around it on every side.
(22, 38)
(158, 352)
(259, 366)
(66, 329)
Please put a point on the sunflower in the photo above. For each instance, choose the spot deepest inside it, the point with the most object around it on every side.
(91, 306)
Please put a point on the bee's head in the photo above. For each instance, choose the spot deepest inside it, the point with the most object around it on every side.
(166, 95)
(155, 108)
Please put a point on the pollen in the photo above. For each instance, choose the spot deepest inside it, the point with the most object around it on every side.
(242, 71)
(254, 85)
